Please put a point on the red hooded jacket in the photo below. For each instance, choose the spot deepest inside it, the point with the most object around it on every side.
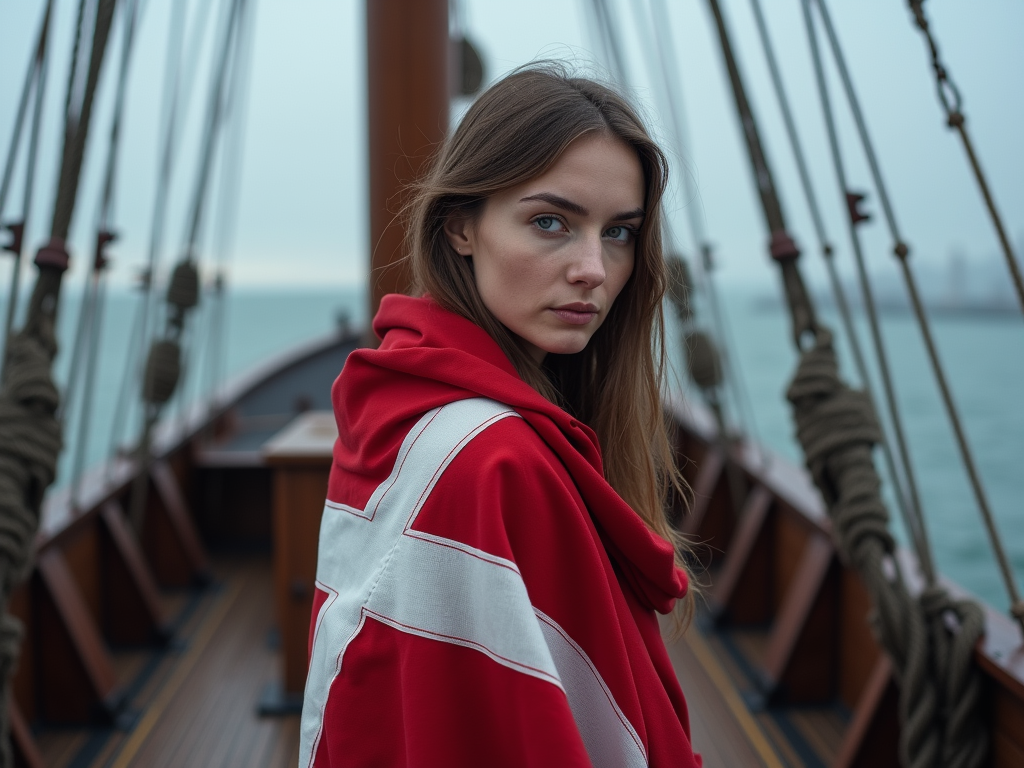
(484, 598)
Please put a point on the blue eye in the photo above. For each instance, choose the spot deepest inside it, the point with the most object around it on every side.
(549, 224)
(619, 233)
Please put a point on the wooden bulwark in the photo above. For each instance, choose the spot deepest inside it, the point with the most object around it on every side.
(169, 533)
(102, 600)
(786, 672)
(741, 592)
(21, 738)
(132, 612)
(794, 620)
(78, 675)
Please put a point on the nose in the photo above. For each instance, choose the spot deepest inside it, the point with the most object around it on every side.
(587, 266)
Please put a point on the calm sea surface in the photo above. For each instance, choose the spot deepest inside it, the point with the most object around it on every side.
(984, 357)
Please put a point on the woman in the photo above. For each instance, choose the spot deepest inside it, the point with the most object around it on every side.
(494, 550)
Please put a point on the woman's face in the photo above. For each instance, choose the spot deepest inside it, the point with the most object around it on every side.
(551, 255)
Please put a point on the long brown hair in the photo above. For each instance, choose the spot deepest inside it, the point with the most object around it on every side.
(514, 132)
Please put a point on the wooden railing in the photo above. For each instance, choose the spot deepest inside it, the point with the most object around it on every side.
(96, 585)
(772, 565)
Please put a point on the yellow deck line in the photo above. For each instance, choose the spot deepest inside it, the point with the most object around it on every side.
(727, 688)
(155, 710)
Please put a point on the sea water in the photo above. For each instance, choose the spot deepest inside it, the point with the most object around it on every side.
(983, 355)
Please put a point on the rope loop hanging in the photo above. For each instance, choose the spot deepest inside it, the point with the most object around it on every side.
(947, 90)
(940, 689)
(30, 434)
(902, 252)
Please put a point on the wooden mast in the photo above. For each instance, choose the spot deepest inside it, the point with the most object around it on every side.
(407, 103)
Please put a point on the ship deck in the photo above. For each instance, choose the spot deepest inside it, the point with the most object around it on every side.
(195, 702)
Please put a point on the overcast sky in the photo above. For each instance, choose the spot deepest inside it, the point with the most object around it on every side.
(302, 218)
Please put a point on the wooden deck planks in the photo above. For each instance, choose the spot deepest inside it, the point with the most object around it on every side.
(198, 706)
(205, 712)
(722, 730)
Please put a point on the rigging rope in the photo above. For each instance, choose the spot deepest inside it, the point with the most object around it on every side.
(87, 344)
(29, 431)
(940, 705)
(609, 41)
(782, 247)
(170, 118)
(952, 104)
(837, 429)
(164, 364)
(902, 251)
(228, 203)
(37, 72)
(668, 70)
(905, 481)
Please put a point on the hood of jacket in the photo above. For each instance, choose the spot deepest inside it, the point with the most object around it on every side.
(429, 357)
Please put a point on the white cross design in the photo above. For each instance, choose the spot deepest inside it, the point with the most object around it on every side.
(371, 563)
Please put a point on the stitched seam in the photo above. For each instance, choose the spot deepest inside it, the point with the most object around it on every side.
(458, 640)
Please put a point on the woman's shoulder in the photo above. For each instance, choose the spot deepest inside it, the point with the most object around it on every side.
(506, 493)
(510, 447)
(508, 466)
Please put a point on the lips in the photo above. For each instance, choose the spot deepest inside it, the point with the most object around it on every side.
(576, 313)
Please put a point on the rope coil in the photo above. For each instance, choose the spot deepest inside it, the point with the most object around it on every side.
(163, 367)
(703, 360)
(183, 291)
(940, 686)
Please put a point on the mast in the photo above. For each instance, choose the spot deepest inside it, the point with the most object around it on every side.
(407, 103)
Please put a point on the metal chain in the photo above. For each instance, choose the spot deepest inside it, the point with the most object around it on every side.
(169, 120)
(909, 505)
(952, 103)
(914, 511)
(902, 251)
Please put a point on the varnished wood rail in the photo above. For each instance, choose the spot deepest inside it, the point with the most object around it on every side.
(779, 572)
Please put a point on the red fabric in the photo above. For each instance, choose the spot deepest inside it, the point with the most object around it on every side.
(530, 490)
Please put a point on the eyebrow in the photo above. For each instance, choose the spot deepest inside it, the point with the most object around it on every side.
(576, 208)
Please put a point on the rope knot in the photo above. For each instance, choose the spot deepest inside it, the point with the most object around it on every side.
(162, 371)
(934, 600)
(27, 376)
(183, 291)
(703, 360)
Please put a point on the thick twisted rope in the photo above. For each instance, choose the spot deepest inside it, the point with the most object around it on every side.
(902, 252)
(29, 430)
(939, 684)
(29, 443)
